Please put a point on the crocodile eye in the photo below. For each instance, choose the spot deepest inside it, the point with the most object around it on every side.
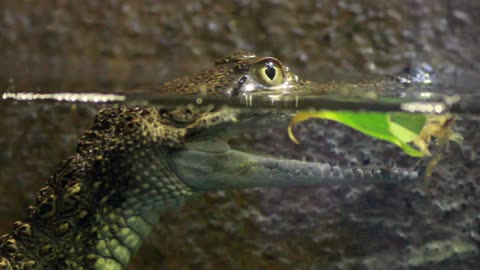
(269, 72)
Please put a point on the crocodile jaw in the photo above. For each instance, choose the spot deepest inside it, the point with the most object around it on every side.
(208, 163)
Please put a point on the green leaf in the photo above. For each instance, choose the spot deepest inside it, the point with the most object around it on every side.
(408, 125)
(397, 128)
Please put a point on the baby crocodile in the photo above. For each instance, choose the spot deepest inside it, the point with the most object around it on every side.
(102, 202)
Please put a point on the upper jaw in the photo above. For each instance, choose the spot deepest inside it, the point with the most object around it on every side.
(207, 162)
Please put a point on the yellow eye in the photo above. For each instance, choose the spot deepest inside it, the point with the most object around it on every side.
(269, 72)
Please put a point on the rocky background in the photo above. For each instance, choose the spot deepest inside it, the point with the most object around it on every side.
(109, 45)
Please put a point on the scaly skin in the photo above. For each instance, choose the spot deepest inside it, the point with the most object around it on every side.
(101, 203)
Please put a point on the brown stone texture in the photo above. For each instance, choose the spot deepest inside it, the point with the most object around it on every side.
(93, 45)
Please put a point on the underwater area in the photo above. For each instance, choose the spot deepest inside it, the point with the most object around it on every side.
(113, 46)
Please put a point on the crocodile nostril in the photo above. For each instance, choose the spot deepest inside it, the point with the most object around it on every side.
(236, 90)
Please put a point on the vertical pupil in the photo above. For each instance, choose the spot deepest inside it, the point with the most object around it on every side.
(270, 71)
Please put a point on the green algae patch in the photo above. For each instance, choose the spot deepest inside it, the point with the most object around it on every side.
(397, 128)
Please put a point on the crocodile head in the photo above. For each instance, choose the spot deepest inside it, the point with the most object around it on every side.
(208, 162)
(236, 74)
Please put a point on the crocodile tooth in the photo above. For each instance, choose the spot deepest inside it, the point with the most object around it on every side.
(413, 175)
(406, 175)
(336, 172)
(348, 173)
(326, 169)
(396, 174)
(359, 173)
(368, 174)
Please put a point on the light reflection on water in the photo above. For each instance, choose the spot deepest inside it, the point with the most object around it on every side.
(422, 102)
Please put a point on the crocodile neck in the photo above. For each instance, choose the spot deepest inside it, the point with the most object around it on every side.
(95, 212)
